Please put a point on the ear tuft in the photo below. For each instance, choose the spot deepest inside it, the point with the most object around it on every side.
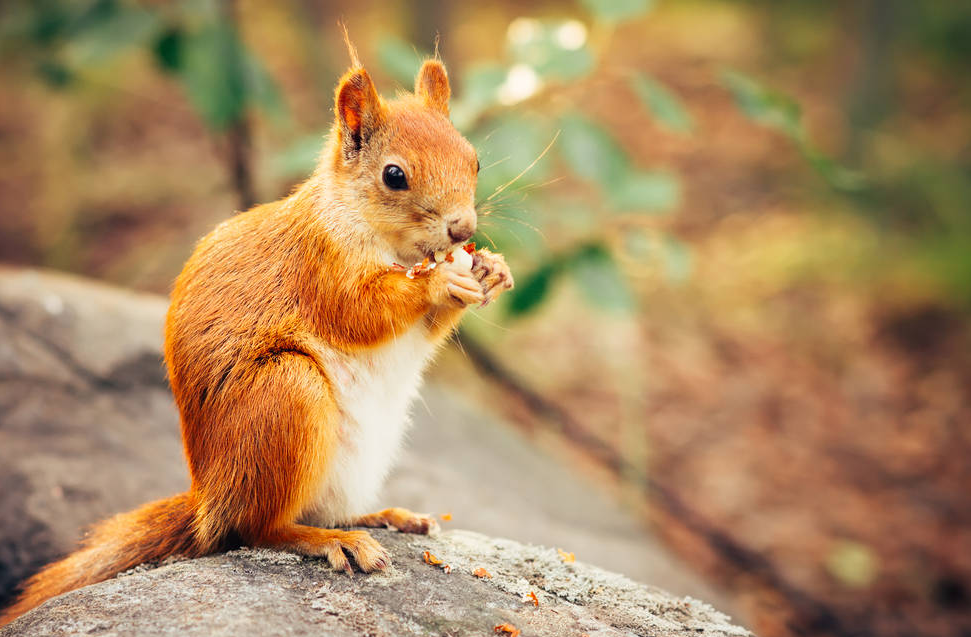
(432, 86)
(351, 49)
(358, 109)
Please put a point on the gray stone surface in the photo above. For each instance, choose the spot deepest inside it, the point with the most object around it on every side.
(88, 428)
(87, 423)
(494, 481)
(261, 592)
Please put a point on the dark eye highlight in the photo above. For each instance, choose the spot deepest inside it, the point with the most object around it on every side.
(478, 166)
(394, 177)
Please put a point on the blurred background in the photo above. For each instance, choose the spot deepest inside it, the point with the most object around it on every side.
(740, 230)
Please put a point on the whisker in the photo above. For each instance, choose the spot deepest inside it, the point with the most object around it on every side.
(501, 203)
(526, 169)
(491, 133)
(525, 188)
(508, 199)
(489, 239)
(524, 223)
(529, 187)
(514, 236)
(474, 312)
(496, 163)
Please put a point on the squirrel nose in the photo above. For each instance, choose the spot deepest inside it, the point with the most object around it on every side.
(461, 229)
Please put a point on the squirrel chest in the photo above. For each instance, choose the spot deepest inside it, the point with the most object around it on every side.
(374, 391)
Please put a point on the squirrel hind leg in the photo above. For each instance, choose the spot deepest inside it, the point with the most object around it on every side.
(258, 485)
(332, 544)
(401, 519)
(261, 448)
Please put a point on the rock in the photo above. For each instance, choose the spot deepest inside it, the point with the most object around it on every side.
(87, 423)
(88, 428)
(262, 592)
(493, 480)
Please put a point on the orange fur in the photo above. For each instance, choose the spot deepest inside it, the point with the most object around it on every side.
(263, 308)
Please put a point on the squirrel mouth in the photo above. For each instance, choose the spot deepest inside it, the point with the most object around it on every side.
(435, 255)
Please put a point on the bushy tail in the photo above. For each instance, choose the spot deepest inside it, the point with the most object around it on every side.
(147, 534)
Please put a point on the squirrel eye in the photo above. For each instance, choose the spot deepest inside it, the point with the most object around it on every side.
(478, 166)
(394, 178)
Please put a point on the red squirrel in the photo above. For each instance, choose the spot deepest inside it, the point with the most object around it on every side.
(295, 344)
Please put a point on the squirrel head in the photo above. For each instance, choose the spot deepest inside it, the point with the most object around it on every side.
(410, 173)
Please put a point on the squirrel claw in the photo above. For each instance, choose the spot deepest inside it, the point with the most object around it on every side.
(493, 274)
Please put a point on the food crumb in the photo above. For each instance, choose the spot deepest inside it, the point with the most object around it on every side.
(430, 559)
(506, 629)
(530, 598)
(566, 557)
(446, 517)
(482, 573)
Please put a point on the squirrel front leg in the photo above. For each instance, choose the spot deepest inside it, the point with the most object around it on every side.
(455, 289)
(382, 305)
(489, 277)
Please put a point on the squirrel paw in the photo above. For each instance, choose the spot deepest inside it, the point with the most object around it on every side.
(458, 287)
(333, 544)
(401, 519)
(368, 554)
(493, 274)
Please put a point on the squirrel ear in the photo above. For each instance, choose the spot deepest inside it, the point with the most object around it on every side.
(432, 86)
(359, 110)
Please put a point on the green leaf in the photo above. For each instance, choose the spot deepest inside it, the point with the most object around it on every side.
(261, 89)
(591, 152)
(213, 74)
(35, 23)
(776, 110)
(399, 59)
(677, 260)
(55, 74)
(168, 50)
(640, 244)
(554, 49)
(764, 105)
(613, 11)
(481, 82)
(662, 103)
(223, 78)
(480, 88)
(109, 33)
(530, 292)
(647, 192)
(568, 65)
(600, 280)
(298, 159)
(839, 177)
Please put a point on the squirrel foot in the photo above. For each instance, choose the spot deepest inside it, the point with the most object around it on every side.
(332, 544)
(401, 519)
(493, 274)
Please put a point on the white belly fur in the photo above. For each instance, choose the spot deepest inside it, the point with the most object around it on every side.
(375, 391)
